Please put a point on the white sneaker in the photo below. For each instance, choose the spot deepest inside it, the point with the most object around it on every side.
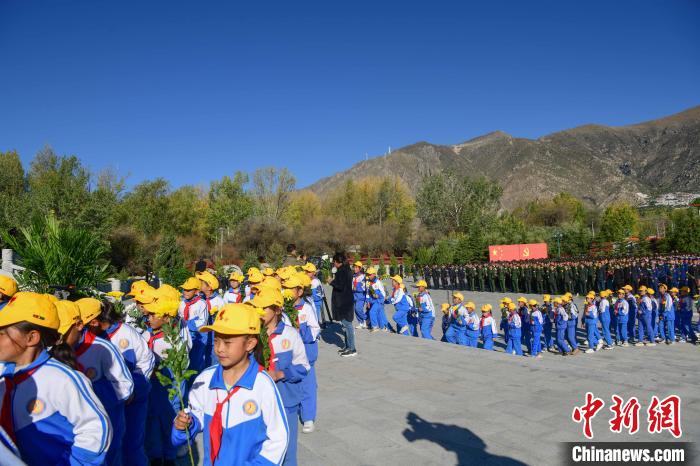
(374, 330)
(639, 343)
(651, 344)
(360, 326)
(625, 345)
(385, 330)
(600, 345)
(308, 427)
(589, 351)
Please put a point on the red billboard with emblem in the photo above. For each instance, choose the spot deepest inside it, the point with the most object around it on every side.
(517, 252)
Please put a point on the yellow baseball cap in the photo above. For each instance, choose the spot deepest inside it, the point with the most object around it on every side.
(459, 296)
(522, 299)
(8, 285)
(511, 306)
(627, 288)
(486, 308)
(90, 308)
(191, 283)
(532, 302)
(235, 319)
(444, 307)
(674, 290)
(546, 298)
(357, 264)
(620, 291)
(470, 305)
(421, 283)
(268, 297)
(163, 307)
(252, 269)
(268, 272)
(271, 282)
(68, 315)
(145, 295)
(590, 295)
(507, 300)
(557, 301)
(137, 286)
(169, 291)
(397, 279)
(255, 276)
(371, 271)
(642, 288)
(663, 285)
(308, 267)
(208, 278)
(650, 291)
(293, 282)
(35, 308)
(236, 276)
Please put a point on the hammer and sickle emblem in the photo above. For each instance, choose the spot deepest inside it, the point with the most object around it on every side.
(526, 252)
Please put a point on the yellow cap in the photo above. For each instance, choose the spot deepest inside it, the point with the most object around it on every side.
(685, 288)
(522, 299)
(68, 315)
(532, 302)
(620, 291)
(308, 267)
(663, 285)
(470, 305)
(486, 308)
(590, 295)
(293, 282)
(642, 288)
(8, 285)
(650, 291)
(30, 307)
(163, 307)
(507, 300)
(271, 282)
(252, 269)
(168, 291)
(255, 276)
(115, 294)
(137, 286)
(674, 290)
(208, 278)
(397, 279)
(268, 297)
(145, 295)
(236, 276)
(627, 288)
(90, 308)
(358, 264)
(511, 306)
(445, 307)
(557, 301)
(546, 298)
(371, 271)
(568, 294)
(458, 295)
(268, 272)
(235, 319)
(304, 279)
(421, 283)
(565, 298)
(191, 283)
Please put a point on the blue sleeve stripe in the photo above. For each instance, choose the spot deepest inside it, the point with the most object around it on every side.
(84, 392)
(284, 413)
(120, 359)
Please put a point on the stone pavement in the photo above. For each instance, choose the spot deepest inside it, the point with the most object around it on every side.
(408, 401)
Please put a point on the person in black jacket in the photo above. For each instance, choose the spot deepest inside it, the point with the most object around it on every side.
(342, 301)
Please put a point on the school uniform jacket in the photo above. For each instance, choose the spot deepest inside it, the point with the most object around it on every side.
(398, 299)
(254, 423)
(622, 307)
(317, 293)
(287, 354)
(139, 359)
(488, 326)
(233, 296)
(309, 329)
(56, 416)
(358, 287)
(425, 303)
(378, 289)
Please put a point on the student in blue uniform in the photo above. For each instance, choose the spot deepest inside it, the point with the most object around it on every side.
(8, 288)
(426, 310)
(561, 322)
(471, 328)
(49, 410)
(104, 365)
(525, 322)
(571, 323)
(359, 294)
(548, 322)
(309, 331)
(288, 363)
(686, 305)
(654, 315)
(644, 317)
(445, 308)
(456, 332)
(234, 293)
(632, 311)
(235, 403)
(193, 312)
(605, 318)
(504, 318)
(209, 287)
(590, 315)
(375, 298)
(140, 362)
(487, 327)
(677, 308)
(316, 289)
(668, 315)
(401, 305)
(514, 329)
(621, 311)
(536, 321)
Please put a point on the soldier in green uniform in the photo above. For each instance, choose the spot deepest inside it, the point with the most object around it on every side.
(481, 274)
(515, 278)
(501, 272)
(528, 279)
(539, 279)
(471, 275)
(491, 275)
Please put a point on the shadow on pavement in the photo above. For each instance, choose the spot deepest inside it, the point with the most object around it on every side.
(469, 447)
(333, 335)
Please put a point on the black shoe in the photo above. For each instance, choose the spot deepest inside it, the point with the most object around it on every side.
(348, 353)
(342, 350)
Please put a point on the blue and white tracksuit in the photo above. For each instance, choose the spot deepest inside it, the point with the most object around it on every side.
(377, 317)
(605, 318)
(194, 313)
(644, 320)
(471, 329)
(514, 334)
(488, 330)
(57, 417)
(253, 419)
(667, 327)
(590, 315)
(654, 316)
(287, 354)
(571, 324)
(309, 331)
(317, 295)
(456, 332)
(413, 315)
(548, 325)
(426, 314)
(141, 362)
(686, 305)
(632, 315)
(359, 296)
(526, 337)
(111, 380)
(536, 321)
(214, 304)
(233, 295)
(402, 308)
(622, 312)
(161, 409)
(562, 323)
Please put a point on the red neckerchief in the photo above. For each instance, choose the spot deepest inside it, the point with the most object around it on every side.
(271, 363)
(483, 318)
(355, 281)
(152, 339)
(11, 382)
(111, 334)
(88, 338)
(188, 303)
(237, 293)
(216, 426)
(511, 315)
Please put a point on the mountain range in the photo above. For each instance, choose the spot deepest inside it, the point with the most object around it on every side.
(655, 162)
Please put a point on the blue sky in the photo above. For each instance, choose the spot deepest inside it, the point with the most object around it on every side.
(192, 91)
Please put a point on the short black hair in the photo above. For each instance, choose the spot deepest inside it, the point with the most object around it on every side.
(339, 257)
(291, 247)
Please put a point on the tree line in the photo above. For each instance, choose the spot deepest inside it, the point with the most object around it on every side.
(451, 218)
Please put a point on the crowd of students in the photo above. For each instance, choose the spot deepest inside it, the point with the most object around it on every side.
(83, 383)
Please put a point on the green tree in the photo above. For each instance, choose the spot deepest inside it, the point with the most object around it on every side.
(13, 212)
(146, 207)
(272, 188)
(229, 204)
(684, 235)
(169, 261)
(619, 221)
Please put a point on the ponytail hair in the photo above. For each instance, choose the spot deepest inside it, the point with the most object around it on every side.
(109, 313)
(50, 340)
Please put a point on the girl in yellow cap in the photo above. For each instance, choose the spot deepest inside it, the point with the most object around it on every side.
(536, 321)
(514, 332)
(487, 327)
(42, 398)
(214, 302)
(456, 332)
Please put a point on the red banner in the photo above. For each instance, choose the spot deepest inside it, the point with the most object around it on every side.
(517, 252)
